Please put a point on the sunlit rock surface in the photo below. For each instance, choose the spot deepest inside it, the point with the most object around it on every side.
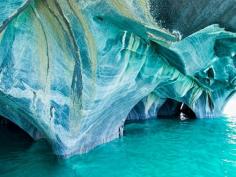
(71, 71)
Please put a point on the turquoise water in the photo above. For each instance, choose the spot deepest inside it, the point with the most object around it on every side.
(155, 148)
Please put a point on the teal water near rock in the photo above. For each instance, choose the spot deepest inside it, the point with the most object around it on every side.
(154, 148)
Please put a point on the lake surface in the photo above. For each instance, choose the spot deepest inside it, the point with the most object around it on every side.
(155, 148)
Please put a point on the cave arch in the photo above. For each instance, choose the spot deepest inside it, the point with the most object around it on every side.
(12, 129)
(17, 122)
(174, 109)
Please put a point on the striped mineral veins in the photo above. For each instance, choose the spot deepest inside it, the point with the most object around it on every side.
(72, 71)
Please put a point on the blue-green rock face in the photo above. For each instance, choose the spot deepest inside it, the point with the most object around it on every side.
(71, 71)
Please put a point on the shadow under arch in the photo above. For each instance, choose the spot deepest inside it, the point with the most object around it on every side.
(15, 120)
(13, 111)
(14, 140)
(174, 109)
(12, 129)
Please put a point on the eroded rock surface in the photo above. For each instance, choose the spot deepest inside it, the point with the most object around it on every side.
(71, 71)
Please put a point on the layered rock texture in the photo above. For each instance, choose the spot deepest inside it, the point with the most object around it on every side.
(73, 71)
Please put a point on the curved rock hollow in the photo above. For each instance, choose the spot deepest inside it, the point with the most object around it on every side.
(73, 71)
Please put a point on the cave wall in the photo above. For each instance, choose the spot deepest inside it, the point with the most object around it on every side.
(184, 18)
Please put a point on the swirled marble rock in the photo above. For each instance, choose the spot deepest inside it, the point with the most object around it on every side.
(72, 71)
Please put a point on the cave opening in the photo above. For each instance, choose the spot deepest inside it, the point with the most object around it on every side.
(174, 109)
(229, 108)
(169, 110)
(12, 136)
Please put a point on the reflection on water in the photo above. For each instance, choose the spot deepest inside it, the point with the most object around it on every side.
(167, 148)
